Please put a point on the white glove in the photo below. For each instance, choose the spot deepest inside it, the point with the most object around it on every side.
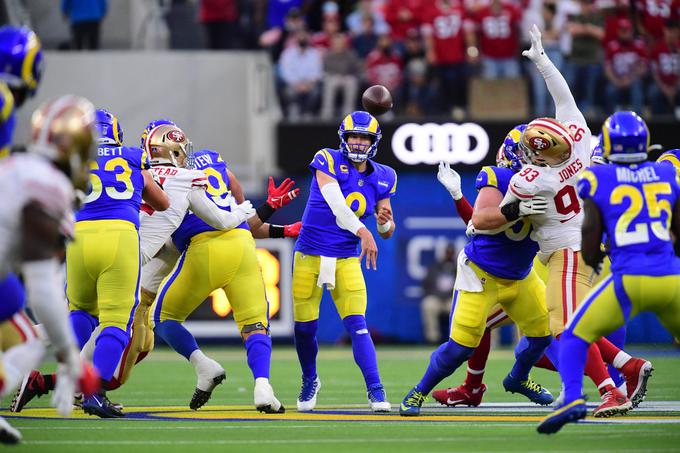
(450, 179)
(536, 52)
(68, 373)
(533, 206)
(244, 211)
(470, 231)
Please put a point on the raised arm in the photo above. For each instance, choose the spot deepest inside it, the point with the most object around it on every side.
(565, 105)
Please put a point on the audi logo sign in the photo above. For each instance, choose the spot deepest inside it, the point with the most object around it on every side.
(430, 143)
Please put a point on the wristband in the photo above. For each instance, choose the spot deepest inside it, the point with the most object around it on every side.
(385, 227)
(264, 212)
(276, 231)
(511, 211)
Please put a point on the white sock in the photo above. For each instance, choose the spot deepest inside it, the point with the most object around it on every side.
(18, 361)
(197, 358)
(605, 383)
(262, 380)
(621, 359)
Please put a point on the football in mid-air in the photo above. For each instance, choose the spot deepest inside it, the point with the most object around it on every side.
(376, 100)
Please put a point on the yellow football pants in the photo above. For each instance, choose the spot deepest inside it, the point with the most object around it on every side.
(213, 260)
(103, 271)
(522, 300)
(349, 294)
(618, 298)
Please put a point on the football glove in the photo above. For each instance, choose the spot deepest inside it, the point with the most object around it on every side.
(292, 230)
(535, 52)
(243, 211)
(450, 179)
(278, 197)
(533, 206)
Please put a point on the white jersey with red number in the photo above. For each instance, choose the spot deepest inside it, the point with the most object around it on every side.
(156, 227)
(560, 226)
(24, 179)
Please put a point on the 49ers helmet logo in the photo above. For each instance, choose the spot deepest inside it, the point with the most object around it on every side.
(538, 143)
(176, 136)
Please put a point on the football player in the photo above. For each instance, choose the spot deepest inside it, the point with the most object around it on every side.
(213, 259)
(557, 150)
(347, 188)
(103, 264)
(495, 279)
(672, 156)
(36, 218)
(636, 203)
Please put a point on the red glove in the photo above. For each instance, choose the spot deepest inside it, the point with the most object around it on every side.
(278, 197)
(292, 230)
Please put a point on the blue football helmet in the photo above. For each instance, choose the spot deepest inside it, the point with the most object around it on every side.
(625, 138)
(362, 123)
(596, 153)
(672, 156)
(21, 61)
(108, 128)
(508, 155)
(151, 125)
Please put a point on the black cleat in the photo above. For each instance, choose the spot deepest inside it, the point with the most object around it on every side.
(201, 397)
(100, 406)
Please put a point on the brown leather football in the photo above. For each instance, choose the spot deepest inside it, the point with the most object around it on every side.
(376, 100)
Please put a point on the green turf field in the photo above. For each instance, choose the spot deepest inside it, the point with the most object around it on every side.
(158, 393)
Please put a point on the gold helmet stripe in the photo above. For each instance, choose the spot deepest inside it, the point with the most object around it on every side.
(27, 65)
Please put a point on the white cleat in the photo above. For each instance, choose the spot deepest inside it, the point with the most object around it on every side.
(265, 401)
(209, 375)
(377, 399)
(308, 393)
(8, 434)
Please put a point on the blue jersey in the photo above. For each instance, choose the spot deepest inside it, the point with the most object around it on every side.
(320, 234)
(7, 119)
(116, 185)
(636, 203)
(510, 253)
(218, 192)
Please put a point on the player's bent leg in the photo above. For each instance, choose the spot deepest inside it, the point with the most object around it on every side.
(518, 380)
(306, 299)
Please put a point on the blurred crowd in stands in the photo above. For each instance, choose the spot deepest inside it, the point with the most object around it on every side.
(614, 53)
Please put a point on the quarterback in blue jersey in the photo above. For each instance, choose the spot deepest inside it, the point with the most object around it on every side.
(636, 204)
(495, 270)
(347, 188)
(103, 262)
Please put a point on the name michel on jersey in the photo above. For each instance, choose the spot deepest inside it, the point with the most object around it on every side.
(646, 174)
(571, 170)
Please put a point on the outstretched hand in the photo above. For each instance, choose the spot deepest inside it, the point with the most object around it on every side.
(536, 50)
(278, 197)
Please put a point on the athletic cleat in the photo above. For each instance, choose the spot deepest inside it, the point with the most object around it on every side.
(461, 395)
(613, 403)
(32, 386)
(532, 390)
(572, 412)
(100, 406)
(377, 399)
(413, 400)
(209, 375)
(637, 372)
(308, 392)
(265, 401)
(8, 434)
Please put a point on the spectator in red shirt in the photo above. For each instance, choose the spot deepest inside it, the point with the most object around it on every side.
(625, 64)
(402, 16)
(220, 23)
(651, 15)
(665, 63)
(330, 26)
(498, 31)
(450, 44)
(384, 67)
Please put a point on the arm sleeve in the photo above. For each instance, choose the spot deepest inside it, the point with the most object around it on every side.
(210, 213)
(565, 105)
(344, 217)
(464, 209)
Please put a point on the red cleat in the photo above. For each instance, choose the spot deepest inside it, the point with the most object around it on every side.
(613, 403)
(461, 395)
(637, 372)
